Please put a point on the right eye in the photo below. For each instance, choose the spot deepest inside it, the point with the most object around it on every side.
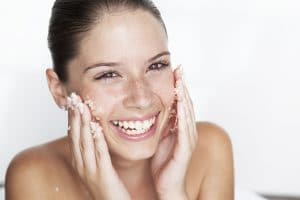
(107, 75)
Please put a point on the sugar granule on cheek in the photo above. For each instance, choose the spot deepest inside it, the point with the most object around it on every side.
(172, 109)
(90, 104)
(95, 129)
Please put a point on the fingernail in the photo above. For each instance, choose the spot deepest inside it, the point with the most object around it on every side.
(62, 107)
(90, 104)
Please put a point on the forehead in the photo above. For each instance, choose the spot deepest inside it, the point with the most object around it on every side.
(124, 35)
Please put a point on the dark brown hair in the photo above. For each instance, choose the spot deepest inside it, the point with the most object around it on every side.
(70, 19)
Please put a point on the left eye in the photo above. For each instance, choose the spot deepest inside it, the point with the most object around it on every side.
(158, 66)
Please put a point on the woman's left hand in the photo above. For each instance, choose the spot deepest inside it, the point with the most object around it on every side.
(171, 160)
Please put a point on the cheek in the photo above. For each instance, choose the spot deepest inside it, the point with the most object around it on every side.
(104, 100)
(163, 86)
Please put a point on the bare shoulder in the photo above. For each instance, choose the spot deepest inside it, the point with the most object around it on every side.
(213, 139)
(34, 173)
(215, 157)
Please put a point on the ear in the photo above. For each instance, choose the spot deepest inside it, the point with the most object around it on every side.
(57, 88)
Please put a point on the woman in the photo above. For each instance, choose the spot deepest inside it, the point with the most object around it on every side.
(132, 132)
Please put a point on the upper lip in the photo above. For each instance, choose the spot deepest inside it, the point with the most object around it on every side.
(145, 117)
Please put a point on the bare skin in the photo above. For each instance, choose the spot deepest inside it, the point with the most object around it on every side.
(209, 176)
(199, 163)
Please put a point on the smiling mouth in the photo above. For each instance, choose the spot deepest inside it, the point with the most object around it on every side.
(135, 127)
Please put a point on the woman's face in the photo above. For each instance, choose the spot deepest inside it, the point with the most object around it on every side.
(123, 67)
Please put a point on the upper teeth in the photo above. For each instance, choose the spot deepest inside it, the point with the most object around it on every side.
(138, 125)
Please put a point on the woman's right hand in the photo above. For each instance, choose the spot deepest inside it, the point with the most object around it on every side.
(90, 155)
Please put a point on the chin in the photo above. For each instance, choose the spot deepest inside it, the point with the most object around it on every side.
(141, 155)
(134, 153)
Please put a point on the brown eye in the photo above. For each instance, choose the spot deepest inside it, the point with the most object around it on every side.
(158, 66)
(107, 75)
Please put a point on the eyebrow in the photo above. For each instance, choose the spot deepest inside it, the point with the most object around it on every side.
(112, 64)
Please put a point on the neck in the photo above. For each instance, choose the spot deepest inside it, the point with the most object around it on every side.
(136, 175)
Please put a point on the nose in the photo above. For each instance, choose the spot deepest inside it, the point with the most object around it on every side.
(139, 95)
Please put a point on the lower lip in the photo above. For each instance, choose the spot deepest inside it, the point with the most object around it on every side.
(137, 138)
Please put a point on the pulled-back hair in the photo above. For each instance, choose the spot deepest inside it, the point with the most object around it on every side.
(71, 19)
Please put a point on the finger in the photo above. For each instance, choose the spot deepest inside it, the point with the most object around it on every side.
(182, 125)
(86, 141)
(193, 117)
(188, 97)
(187, 121)
(179, 89)
(190, 116)
(70, 142)
(190, 125)
(101, 149)
(177, 76)
(74, 138)
(178, 72)
(183, 147)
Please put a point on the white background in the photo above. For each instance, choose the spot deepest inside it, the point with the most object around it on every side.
(241, 61)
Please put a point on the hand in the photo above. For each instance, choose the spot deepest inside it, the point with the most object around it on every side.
(90, 155)
(170, 162)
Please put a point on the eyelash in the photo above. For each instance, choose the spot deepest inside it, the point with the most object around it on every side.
(113, 74)
(107, 75)
(163, 64)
